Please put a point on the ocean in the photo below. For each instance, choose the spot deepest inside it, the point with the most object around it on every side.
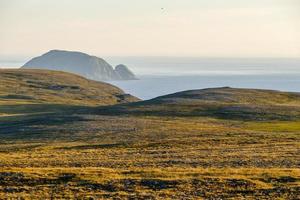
(164, 75)
(152, 86)
(160, 75)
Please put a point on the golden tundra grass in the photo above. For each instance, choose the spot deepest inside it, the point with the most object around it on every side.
(153, 158)
(135, 182)
(56, 144)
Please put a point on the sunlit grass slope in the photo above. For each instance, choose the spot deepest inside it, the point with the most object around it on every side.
(220, 143)
(24, 86)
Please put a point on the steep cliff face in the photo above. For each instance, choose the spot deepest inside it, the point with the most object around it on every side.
(79, 63)
(124, 73)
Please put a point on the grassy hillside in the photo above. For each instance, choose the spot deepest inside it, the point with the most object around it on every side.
(224, 103)
(45, 86)
(180, 146)
(25, 90)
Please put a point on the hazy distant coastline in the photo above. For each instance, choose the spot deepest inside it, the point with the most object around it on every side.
(164, 75)
(200, 66)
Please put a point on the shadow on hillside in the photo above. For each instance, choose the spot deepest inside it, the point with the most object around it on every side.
(39, 108)
(29, 120)
(37, 118)
(35, 123)
(230, 112)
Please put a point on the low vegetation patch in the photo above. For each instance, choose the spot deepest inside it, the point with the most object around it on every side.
(210, 144)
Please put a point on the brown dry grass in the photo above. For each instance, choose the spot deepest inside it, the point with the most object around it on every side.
(154, 158)
(178, 150)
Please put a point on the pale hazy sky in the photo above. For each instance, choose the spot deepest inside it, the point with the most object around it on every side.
(214, 28)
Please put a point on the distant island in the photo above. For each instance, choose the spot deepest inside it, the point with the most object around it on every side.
(80, 63)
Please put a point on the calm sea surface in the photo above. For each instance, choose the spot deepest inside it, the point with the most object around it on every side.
(152, 86)
(164, 75)
(160, 76)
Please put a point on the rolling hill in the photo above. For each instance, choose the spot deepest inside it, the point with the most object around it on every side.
(65, 137)
(33, 87)
(225, 102)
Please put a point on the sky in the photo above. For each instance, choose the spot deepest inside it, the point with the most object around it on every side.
(181, 28)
